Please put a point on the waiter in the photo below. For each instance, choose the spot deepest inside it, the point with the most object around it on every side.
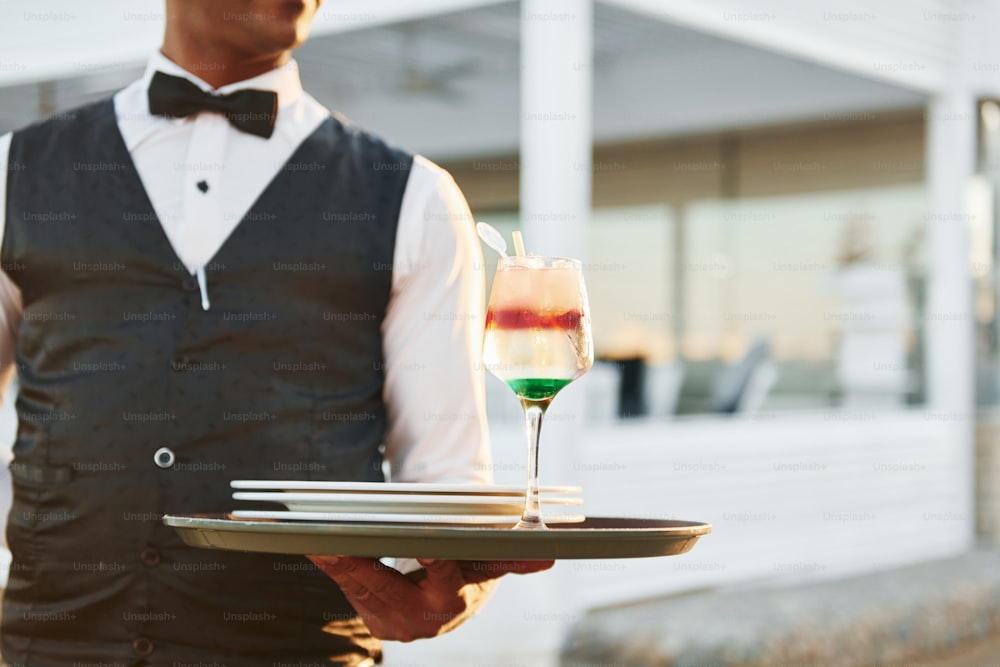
(210, 277)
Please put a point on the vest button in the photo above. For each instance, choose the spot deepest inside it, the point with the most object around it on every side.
(142, 647)
(150, 557)
(190, 284)
(164, 457)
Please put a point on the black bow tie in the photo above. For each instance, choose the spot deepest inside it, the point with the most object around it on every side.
(248, 110)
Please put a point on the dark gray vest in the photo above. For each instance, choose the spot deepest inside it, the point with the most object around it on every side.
(282, 378)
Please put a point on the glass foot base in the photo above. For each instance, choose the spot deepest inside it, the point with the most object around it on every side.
(530, 524)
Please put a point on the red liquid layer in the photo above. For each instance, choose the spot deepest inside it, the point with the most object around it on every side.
(518, 318)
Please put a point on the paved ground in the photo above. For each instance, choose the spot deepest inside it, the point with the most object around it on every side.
(914, 615)
(984, 653)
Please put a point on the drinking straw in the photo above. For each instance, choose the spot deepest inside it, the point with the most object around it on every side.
(518, 244)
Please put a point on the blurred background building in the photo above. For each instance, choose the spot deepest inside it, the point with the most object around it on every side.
(787, 213)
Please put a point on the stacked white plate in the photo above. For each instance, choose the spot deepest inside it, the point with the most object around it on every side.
(403, 502)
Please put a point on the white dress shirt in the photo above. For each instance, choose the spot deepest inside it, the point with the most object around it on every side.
(432, 330)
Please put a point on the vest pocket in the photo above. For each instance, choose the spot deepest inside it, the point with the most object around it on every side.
(32, 512)
(22, 527)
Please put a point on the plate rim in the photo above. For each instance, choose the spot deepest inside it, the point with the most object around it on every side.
(393, 498)
(388, 488)
(398, 518)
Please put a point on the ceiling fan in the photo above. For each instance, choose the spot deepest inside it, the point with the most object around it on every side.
(418, 79)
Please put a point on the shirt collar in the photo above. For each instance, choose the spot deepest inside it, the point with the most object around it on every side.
(282, 80)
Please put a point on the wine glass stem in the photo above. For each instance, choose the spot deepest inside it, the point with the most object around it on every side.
(531, 517)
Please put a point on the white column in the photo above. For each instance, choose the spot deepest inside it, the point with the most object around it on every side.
(950, 160)
(556, 127)
(950, 315)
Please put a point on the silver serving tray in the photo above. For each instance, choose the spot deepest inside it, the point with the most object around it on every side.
(597, 537)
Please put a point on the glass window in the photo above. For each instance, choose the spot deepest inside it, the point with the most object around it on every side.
(823, 291)
(829, 284)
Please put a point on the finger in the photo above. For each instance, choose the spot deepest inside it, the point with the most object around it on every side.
(336, 566)
(329, 564)
(529, 566)
(443, 575)
(339, 569)
(477, 571)
(366, 581)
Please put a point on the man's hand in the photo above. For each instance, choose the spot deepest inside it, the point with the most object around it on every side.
(425, 603)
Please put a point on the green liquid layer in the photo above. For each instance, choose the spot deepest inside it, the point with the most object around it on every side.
(537, 389)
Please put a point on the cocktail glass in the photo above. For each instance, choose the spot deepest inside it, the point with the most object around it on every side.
(537, 341)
